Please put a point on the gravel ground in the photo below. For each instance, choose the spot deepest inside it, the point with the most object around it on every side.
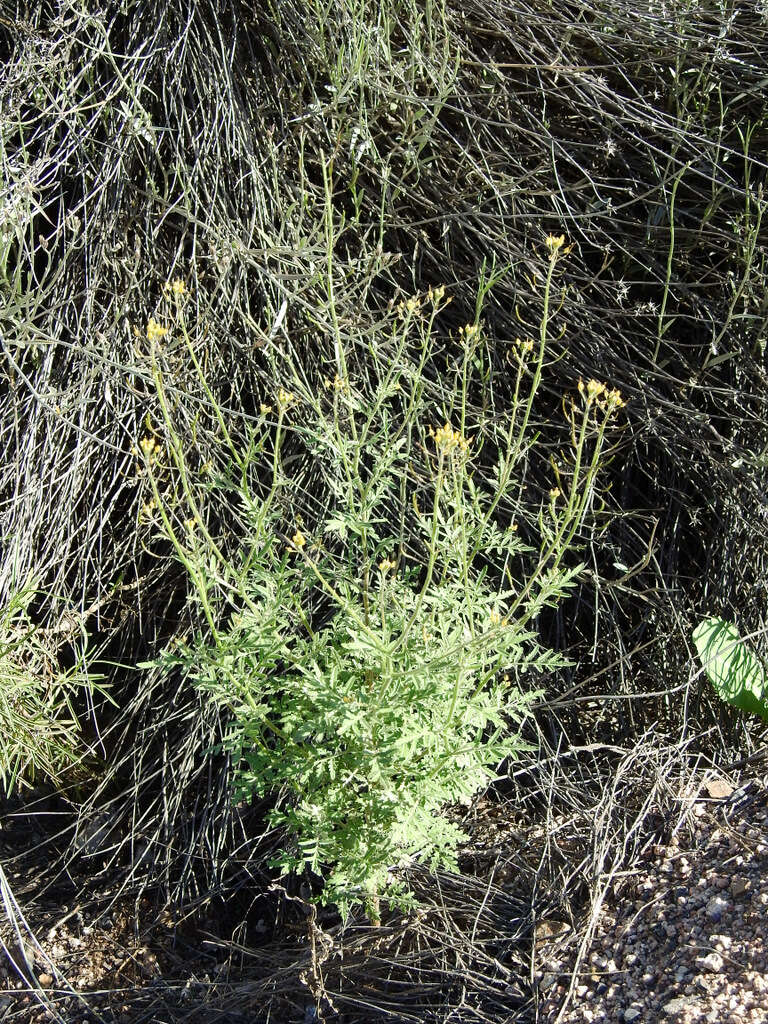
(683, 938)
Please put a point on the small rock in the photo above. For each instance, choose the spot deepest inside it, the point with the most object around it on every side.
(676, 1005)
(45, 980)
(739, 886)
(632, 1013)
(715, 908)
(718, 789)
(711, 962)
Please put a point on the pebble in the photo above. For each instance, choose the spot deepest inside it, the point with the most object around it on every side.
(676, 1005)
(715, 908)
(712, 962)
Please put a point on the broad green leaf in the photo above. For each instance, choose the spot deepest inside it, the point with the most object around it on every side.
(737, 675)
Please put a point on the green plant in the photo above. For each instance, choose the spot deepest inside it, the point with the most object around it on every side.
(39, 728)
(739, 678)
(375, 649)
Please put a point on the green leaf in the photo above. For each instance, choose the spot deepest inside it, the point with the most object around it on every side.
(737, 675)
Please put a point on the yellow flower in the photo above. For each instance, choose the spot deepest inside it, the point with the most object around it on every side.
(523, 348)
(555, 242)
(494, 618)
(613, 400)
(147, 509)
(150, 449)
(155, 331)
(607, 400)
(594, 389)
(175, 287)
(409, 307)
(337, 384)
(285, 398)
(554, 494)
(386, 564)
(149, 446)
(448, 440)
(265, 409)
(469, 331)
(298, 539)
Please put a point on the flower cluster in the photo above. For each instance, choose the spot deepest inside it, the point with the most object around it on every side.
(409, 306)
(607, 400)
(149, 446)
(175, 287)
(413, 305)
(147, 511)
(556, 246)
(448, 440)
(155, 331)
(523, 348)
(151, 451)
(285, 399)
